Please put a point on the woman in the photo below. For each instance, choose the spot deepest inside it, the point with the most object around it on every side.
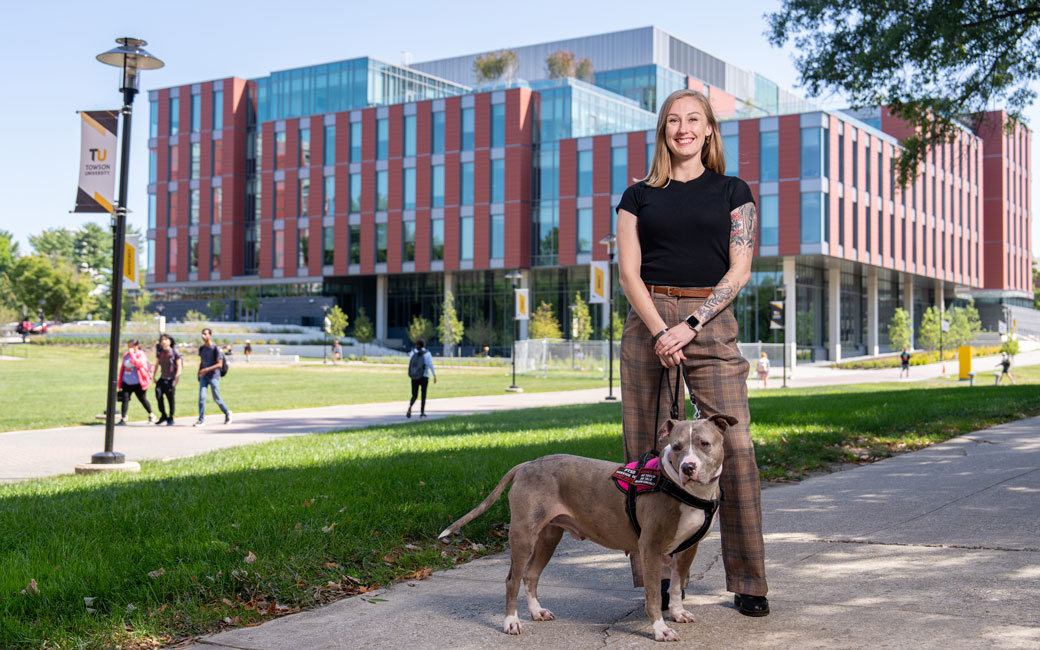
(686, 237)
(420, 368)
(763, 368)
(135, 376)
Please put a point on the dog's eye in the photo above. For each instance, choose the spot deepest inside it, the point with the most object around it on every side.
(705, 444)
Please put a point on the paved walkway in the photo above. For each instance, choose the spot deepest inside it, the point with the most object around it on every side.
(938, 548)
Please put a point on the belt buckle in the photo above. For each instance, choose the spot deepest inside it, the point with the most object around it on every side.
(674, 292)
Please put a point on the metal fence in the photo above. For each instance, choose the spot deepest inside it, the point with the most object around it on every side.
(542, 356)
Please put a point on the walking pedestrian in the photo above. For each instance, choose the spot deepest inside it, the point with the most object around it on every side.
(904, 364)
(169, 364)
(763, 368)
(335, 350)
(211, 360)
(135, 376)
(686, 236)
(248, 349)
(420, 369)
(1005, 364)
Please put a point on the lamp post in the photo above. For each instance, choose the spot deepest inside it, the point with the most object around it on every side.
(514, 278)
(324, 333)
(610, 241)
(131, 57)
(160, 319)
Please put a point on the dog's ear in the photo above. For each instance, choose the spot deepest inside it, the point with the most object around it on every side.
(666, 429)
(723, 422)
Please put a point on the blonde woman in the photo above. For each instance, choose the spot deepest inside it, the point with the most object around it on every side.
(686, 236)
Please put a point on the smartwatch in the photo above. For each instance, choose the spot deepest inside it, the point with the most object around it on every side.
(694, 323)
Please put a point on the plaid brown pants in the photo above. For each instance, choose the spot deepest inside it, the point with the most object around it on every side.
(716, 375)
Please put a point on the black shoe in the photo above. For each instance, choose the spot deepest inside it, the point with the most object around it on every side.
(751, 605)
(666, 583)
(409, 413)
(422, 415)
(169, 422)
(161, 420)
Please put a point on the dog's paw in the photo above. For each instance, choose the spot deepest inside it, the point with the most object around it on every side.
(680, 615)
(542, 615)
(512, 625)
(664, 633)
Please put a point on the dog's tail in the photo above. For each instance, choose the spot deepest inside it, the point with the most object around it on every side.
(484, 505)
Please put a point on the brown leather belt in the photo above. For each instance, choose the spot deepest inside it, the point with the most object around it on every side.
(678, 292)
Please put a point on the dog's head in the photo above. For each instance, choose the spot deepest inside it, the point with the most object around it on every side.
(697, 447)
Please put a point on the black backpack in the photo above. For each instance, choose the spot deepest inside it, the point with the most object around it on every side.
(417, 365)
(223, 366)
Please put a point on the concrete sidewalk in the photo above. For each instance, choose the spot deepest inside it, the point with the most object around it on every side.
(49, 452)
(932, 549)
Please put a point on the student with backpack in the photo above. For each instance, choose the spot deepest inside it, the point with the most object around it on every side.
(420, 368)
(212, 366)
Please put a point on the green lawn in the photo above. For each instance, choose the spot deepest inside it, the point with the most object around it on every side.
(65, 386)
(322, 517)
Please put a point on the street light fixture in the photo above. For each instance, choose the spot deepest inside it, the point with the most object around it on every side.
(131, 57)
(610, 241)
(514, 278)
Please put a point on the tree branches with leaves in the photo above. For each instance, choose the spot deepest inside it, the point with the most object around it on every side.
(543, 323)
(562, 63)
(932, 62)
(450, 329)
(495, 65)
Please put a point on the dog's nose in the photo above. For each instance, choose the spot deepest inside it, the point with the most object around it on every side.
(689, 469)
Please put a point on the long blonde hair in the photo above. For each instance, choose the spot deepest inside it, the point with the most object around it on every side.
(712, 154)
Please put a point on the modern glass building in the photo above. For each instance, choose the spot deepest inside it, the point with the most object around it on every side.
(377, 186)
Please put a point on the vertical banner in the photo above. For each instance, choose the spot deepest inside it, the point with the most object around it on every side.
(97, 161)
(597, 282)
(521, 304)
(130, 270)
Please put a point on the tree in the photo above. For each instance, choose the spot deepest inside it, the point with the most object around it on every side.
(250, 303)
(450, 329)
(55, 288)
(481, 334)
(931, 63)
(582, 319)
(1036, 285)
(560, 64)
(338, 322)
(544, 324)
(8, 256)
(583, 70)
(928, 334)
(495, 65)
(420, 328)
(965, 325)
(1010, 345)
(900, 329)
(216, 308)
(364, 332)
(56, 244)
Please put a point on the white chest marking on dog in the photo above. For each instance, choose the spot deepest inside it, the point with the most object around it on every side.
(690, 519)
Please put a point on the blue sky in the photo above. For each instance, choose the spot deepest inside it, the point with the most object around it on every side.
(49, 70)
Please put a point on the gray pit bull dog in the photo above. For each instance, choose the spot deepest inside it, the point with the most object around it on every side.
(560, 493)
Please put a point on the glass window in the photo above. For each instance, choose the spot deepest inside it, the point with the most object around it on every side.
(584, 173)
(279, 150)
(408, 241)
(812, 218)
(466, 238)
(618, 169)
(841, 157)
(866, 160)
(436, 239)
(303, 247)
(171, 256)
(769, 169)
(437, 129)
(466, 184)
(770, 216)
(812, 152)
(216, 199)
(328, 197)
(153, 165)
(174, 161)
(498, 125)
(305, 147)
(193, 208)
(382, 139)
(380, 242)
(354, 248)
(855, 163)
(498, 180)
(437, 186)
(649, 155)
(328, 152)
(217, 165)
(196, 113)
(731, 149)
(355, 193)
(585, 230)
(409, 135)
(355, 142)
(175, 115)
(409, 189)
(196, 159)
(193, 253)
(382, 189)
(218, 110)
(279, 199)
(467, 129)
(498, 236)
(303, 197)
(152, 207)
(328, 246)
(214, 253)
(153, 119)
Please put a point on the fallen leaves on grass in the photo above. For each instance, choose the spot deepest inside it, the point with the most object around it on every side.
(328, 529)
(155, 575)
(31, 589)
(421, 574)
(249, 559)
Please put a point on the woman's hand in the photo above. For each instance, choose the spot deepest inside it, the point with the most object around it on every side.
(674, 340)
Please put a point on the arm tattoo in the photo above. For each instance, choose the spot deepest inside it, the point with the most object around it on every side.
(742, 225)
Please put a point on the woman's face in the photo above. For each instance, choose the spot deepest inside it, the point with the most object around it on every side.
(686, 128)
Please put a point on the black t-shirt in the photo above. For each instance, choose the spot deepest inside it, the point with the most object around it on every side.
(210, 355)
(905, 358)
(684, 228)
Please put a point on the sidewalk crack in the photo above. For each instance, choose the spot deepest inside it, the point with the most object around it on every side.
(711, 565)
(607, 628)
(966, 547)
